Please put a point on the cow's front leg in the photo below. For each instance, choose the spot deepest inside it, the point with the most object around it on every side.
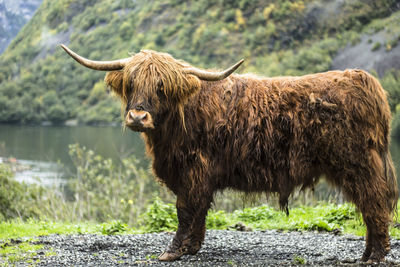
(191, 229)
(197, 229)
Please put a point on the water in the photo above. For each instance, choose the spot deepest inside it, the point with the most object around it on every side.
(42, 151)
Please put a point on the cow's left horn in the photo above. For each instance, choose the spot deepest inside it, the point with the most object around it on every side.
(210, 75)
(97, 65)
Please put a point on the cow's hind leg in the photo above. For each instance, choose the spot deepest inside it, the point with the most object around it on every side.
(191, 228)
(370, 190)
(376, 217)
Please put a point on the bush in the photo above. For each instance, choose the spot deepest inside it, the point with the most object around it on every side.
(340, 213)
(376, 46)
(217, 220)
(57, 114)
(255, 214)
(18, 200)
(100, 192)
(114, 227)
(103, 191)
(160, 217)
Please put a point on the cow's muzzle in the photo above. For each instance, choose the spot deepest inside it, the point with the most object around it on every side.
(139, 121)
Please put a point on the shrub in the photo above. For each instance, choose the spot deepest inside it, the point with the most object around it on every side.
(217, 220)
(160, 217)
(17, 200)
(339, 214)
(114, 227)
(376, 46)
(101, 191)
(255, 214)
(57, 114)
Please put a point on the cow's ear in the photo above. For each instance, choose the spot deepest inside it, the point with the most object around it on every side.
(114, 80)
(192, 86)
(180, 88)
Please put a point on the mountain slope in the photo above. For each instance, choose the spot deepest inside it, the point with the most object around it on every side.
(39, 82)
(13, 15)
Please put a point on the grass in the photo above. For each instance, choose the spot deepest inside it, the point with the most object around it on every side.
(323, 217)
(298, 260)
(31, 228)
(11, 253)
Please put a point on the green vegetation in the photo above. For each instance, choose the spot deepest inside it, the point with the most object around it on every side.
(101, 191)
(161, 216)
(39, 82)
(13, 252)
(376, 46)
(114, 196)
(299, 260)
(17, 228)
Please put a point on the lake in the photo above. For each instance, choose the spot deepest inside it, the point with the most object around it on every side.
(44, 149)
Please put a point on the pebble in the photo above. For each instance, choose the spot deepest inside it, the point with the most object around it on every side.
(221, 248)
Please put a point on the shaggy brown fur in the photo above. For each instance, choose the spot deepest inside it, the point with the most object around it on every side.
(259, 134)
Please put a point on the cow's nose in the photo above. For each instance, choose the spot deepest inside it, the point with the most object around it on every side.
(137, 117)
(139, 120)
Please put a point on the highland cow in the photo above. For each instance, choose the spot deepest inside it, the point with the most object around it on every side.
(207, 131)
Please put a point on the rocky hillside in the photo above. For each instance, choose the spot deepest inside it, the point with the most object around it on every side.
(13, 15)
(39, 82)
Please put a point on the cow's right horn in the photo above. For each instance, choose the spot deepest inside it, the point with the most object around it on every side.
(211, 75)
(97, 65)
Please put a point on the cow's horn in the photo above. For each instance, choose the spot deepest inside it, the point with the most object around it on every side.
(210, 75)
(97, 65)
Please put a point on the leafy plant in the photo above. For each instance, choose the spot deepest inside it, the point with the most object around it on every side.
(113, 228)
(18, 200)
(217, 220)
(340, 213)
(299, 260)
(160, 217)
(255, 214)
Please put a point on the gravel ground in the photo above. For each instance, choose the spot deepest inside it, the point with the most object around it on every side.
(221, 248)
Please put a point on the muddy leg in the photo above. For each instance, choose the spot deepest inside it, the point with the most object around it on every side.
(376, 215)
(368, 247)
(378, 243)
(198, 230)
(191, 230)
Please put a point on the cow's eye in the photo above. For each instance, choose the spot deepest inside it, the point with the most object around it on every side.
(160, 85)
(160, 94)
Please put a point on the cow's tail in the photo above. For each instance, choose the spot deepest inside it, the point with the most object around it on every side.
(391, 180)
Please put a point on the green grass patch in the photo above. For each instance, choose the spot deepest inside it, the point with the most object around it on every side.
(31, 228)
(323, 217)
(12, 252)
(161, 217)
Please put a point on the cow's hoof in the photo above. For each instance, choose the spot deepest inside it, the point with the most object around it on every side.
(170, 256)
(376, 258)
(194, 248)
(366, 255)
